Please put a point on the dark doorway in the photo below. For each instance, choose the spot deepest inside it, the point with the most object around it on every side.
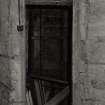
(49, 54)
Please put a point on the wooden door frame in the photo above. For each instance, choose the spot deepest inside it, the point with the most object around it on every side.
(70, 36)
(49, 2)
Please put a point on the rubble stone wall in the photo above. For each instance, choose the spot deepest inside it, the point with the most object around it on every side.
(89, 52)
(12, 54)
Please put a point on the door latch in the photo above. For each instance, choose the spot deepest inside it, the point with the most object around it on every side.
(20, 28)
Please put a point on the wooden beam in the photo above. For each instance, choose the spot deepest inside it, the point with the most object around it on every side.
(49, 80)
(38, 92)
(59, 97)
(48, 2)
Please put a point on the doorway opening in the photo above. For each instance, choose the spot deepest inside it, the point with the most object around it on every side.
(49, 71)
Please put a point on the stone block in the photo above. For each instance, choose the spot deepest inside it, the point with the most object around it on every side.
(96, 71)
(96, 18)
(95, 49)
(96, 78)
(4, 95)
(4, 72)
(92, 85)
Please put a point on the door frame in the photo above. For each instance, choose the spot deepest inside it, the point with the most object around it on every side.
(70, 20)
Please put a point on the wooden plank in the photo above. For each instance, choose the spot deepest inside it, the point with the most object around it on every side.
(48, 2)
(59, 97)
(38, 92)
(49, 79)
(30, 98)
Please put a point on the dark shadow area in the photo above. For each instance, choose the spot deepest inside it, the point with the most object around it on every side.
(49, 72)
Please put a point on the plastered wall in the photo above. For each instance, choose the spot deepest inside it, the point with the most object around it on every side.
(12, 54)
(89, 52)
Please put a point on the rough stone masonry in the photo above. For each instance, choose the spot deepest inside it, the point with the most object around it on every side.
(88, 53)
(12, 54)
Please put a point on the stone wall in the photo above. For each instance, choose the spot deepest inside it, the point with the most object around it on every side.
(89, 52)
(5, 86)
(12, 54)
